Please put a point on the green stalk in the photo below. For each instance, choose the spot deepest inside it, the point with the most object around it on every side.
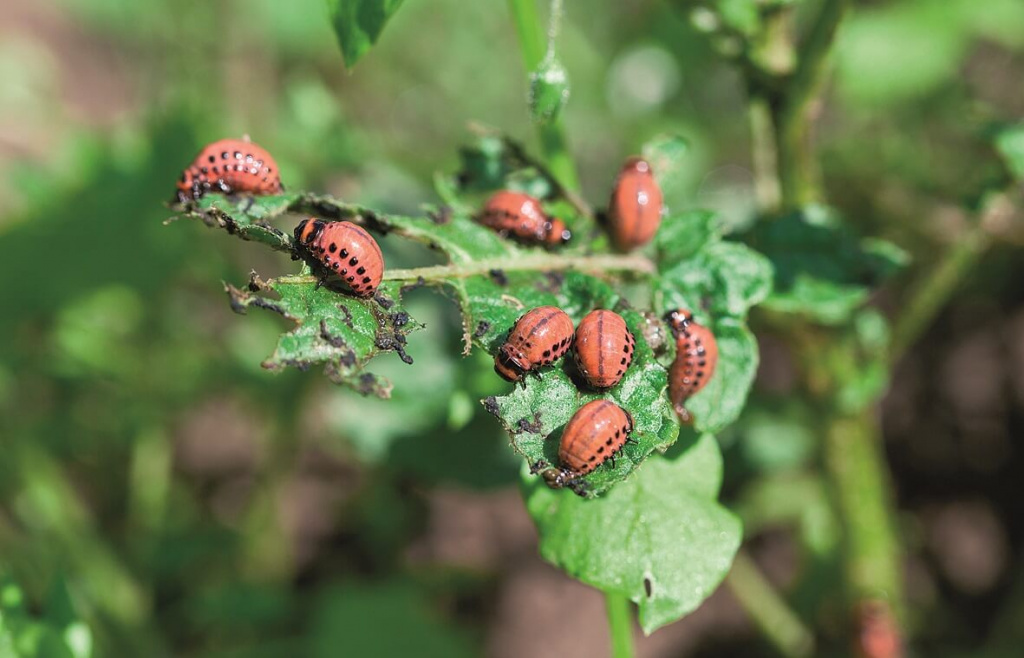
(933, 289)
(798, 169)
(620, 624)
(532, 40)
(856, 466)
(776, 621)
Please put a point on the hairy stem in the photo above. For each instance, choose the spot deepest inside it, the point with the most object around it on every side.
(553, 143)
(620, 625)
(547, 263)
(769, 611)
(856, 466)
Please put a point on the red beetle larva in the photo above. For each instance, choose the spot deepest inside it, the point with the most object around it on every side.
(594, 434)
(228, 166)
(604, 348)
(634, 213)
(696, 358)
(521, 216)
(538, 338)
(343, 249)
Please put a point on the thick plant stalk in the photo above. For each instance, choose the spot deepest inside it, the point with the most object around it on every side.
(776, 621)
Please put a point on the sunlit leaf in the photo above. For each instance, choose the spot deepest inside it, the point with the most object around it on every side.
(660, 538)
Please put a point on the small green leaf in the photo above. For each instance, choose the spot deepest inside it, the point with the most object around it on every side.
(358, 24)
(660, 538)
(338, 330)
(1010, 144)
(680, 237)
(823, 270)
(549, 90)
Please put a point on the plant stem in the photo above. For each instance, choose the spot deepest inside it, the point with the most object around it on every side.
(620, 625)
(856, 466)
(767, 186)
(769, 611)
(531, 36)
(797, 165)
(442, 273)
(933, 289)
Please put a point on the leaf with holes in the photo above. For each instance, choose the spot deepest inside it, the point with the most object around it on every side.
(535, 413)
(337, 330)
(661, 538)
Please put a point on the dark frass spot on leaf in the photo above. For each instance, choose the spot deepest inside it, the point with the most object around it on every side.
(441, 215)
(384, 302)
(418, 283)
(482, 327)
(527, 425)
(552, 282)
(491, 405)
(498, 276)
(648, 587)
(339, 331)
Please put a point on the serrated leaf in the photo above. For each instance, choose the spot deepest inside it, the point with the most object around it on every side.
(337, 330)
(660, 538)
(1010, 144)
(358, 24)
(823, 270)
(549, 90)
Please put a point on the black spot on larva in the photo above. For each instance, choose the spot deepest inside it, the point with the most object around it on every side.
(625, 348)
(204, 169)
(353, 261)
(335, 266)
(332, 247)
(344, 253)
(617, 435)
(238, 155)
(554, 348)
(366, 279)
(702, 362)
(600, 450)
(547, 353)
(609, 441)
(592, 458)
(248, 157)
(361, 270)
(344, 271)
(350, 279)
(623, 361)
(224, 155)
(212, 158)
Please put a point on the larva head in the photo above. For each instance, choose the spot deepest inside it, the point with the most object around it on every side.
(557, 232)
(678, 320)
(510, 363)
(308, 230)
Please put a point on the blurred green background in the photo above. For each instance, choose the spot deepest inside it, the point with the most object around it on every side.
(161, 494)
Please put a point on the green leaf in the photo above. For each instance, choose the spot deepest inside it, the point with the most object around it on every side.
(823, 270)
(667, 154)
(339, 331)
(358, 24)
(535, 413)
(549, 90)
(1010, 145)
(718, 281)
(660, 538)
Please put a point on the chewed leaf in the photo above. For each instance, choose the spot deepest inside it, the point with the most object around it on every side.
(339, 331)
(534, 414)
(660, 538)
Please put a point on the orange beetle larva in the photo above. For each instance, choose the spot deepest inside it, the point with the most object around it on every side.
(521, 216)
(538, 338)
(595, 433)
(343, 249)
(604, 348)
(230, 165)
(696, 358)
(634, 213)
